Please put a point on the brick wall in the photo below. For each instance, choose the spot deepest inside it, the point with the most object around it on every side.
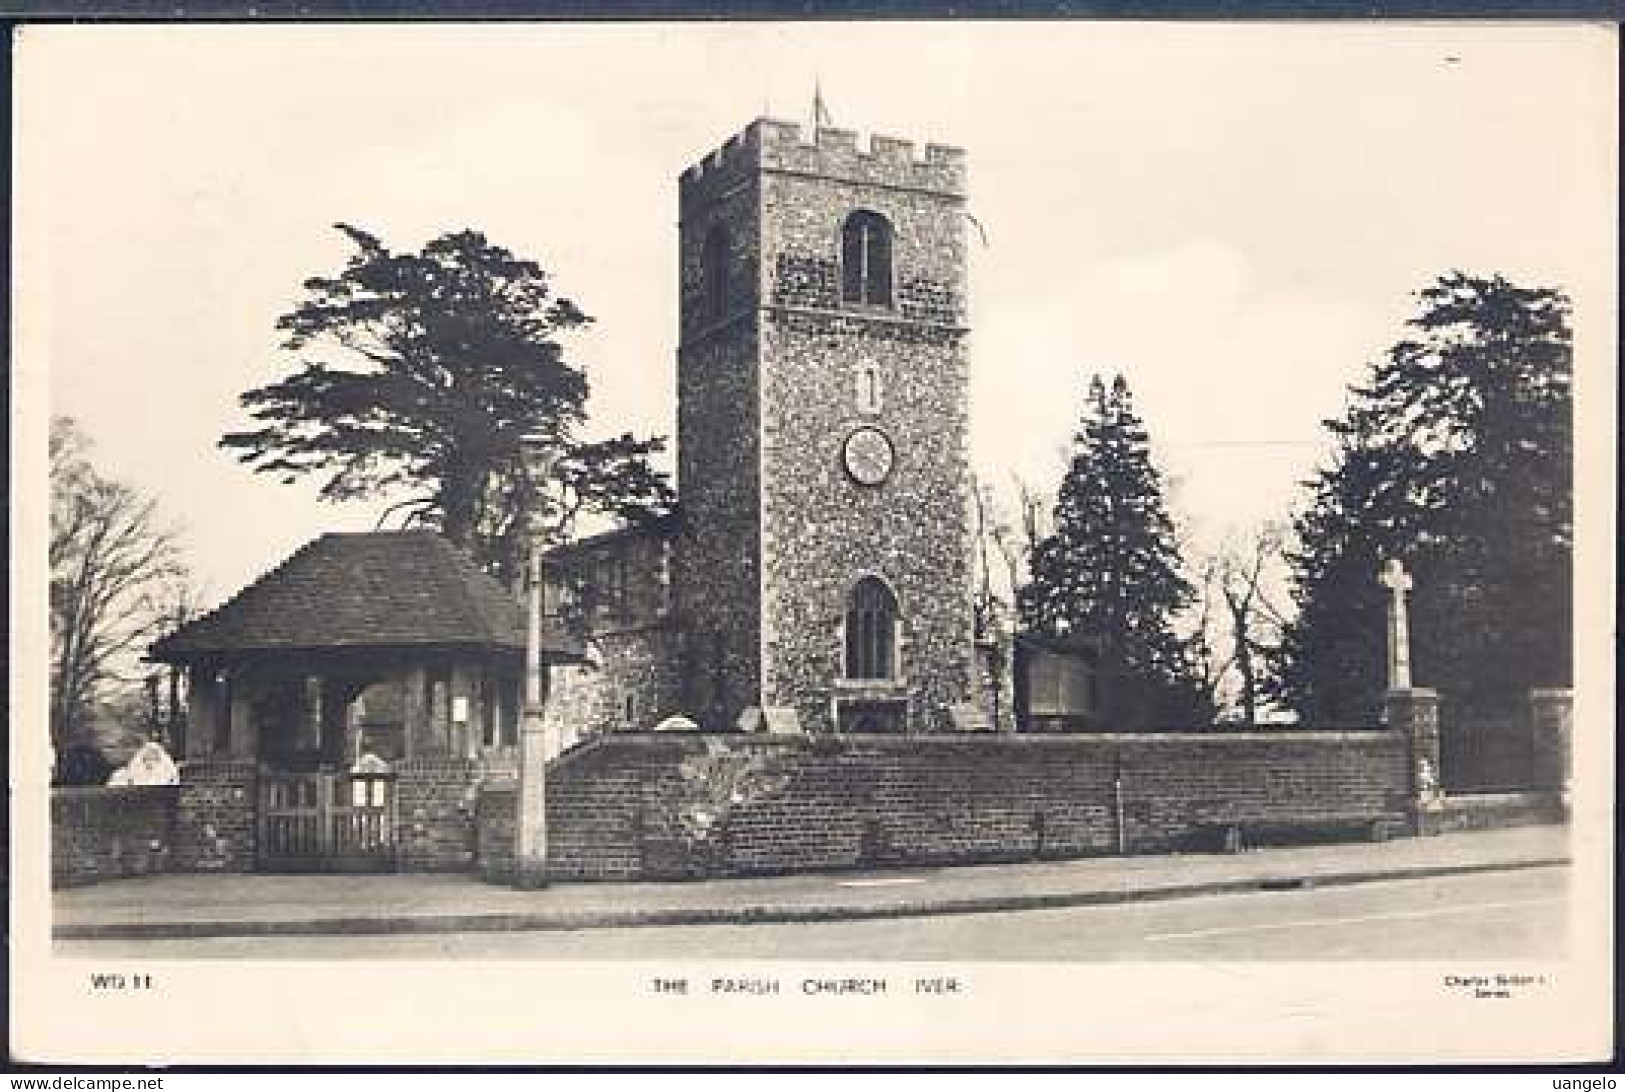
(608, 810)
(215, 820)
(1551, 716)
(494, 830)
(435, 801)
(596, 800)
(670, 806)
(109, 833)
(1491, 811)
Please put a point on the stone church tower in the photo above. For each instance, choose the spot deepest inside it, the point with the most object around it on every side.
(824, 561)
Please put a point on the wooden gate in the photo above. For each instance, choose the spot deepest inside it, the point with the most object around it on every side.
(326, 822)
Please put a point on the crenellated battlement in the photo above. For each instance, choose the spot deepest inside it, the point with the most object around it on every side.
(737, 151)
(774, 145)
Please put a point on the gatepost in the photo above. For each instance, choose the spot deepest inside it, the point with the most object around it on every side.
(1551, 715)
(1411, 709)
(1415, 711)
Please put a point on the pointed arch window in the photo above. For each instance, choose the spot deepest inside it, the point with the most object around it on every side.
(866, 250)
(871, 630)
(714, 273)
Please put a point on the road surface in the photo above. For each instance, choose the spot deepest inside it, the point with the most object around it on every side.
(1512, 915)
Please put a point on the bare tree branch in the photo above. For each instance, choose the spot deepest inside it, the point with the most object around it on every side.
(109, 561)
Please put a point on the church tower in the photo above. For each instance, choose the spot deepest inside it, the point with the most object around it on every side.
(825, 559)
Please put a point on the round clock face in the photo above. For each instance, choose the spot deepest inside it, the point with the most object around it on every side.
(868, 456)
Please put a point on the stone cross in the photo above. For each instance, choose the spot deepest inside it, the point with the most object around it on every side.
(1394, 577)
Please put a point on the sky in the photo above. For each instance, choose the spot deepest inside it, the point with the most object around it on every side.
(1235, 218)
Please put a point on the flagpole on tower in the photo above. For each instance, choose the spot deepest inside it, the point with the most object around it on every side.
(820, 116)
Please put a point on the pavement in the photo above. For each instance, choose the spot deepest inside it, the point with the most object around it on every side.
(264, 905)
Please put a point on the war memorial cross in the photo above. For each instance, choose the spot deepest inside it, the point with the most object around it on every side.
(1394, 577)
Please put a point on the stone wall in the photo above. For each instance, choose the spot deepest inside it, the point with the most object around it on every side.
(617, 580)
(629, 612)
(776, 533)
(717, 567)
(823, 531)
(670, 806)
(641, 666)
(435, 800)
(110, 833)
(995, 689)
(215, 815)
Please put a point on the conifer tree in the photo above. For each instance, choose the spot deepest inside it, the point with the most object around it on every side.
(1110, 570)
(420, 375)
(1456, 457)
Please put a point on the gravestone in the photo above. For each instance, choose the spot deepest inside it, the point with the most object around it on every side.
(970, 716)
(150, 765)
(782, 720)
(369, 765)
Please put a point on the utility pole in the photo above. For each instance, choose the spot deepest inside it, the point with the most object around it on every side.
(530, 820)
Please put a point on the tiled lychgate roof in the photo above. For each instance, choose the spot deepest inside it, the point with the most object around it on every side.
(383, 589)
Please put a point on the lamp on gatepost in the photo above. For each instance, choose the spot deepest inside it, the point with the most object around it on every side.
(538, 454)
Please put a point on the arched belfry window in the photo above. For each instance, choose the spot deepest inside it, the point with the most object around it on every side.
(871, 630)
(866, 258)
(714, 273)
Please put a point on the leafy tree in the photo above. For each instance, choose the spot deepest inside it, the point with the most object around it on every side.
(1110, 569)
(1456, 457)
(427, 369)
(113, 569)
